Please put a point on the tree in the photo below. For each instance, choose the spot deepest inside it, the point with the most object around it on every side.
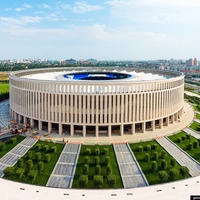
(40, 166)
(155, 155)
(148, 147)
(88, 151)
(2, 146)
(184, 171)
(85, 169)
(172, 162)
(107, 160)
(29, 154)
(147, 157)
(109, 169)
(83, 180)
(97, 169)
(19, 173)
(9, 171)
(32, 175)
(38, 156)
(190, 146)
(174, 173)
(14, 140)
(97, 160)
(111, 180)
(20, 162)
(163, 175)
(154, 166)
(38, 147)
(97, 151)
(46, 148)
(179, 140)
(164, 164)
(98, 181)
(163, 154)
(106, 151)
(29, 164)
(53, 149)
(195, 144)
(47, 157)
(140, 148)
(87, 160)
(154, 146)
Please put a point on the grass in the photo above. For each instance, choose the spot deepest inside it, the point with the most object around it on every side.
(4, 87)
(42, 177)
(10, 145)
(197, 116)
(195, 126)
(113, 163)
(185, 143)
(153, 178)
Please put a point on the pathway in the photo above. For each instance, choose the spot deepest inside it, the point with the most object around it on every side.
(131, 173)
(181, 156)
(11, 158)
(192, 132)
(63, 173)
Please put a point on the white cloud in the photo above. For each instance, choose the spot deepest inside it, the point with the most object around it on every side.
(45, 6)
(82, 7)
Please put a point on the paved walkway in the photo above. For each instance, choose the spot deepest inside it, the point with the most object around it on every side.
(63, 173)
(131, 173)
(181, 156)
(11, 158)
(192, 132)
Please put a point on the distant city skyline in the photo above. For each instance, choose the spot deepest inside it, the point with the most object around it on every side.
(104, 30)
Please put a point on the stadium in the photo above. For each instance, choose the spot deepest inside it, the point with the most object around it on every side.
(85, 102)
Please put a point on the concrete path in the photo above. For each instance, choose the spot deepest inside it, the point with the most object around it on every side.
(131, 173)
(11, 158)
(181, 156)
(192, 132)
(63, 173)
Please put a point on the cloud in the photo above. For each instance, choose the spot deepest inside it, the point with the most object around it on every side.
(45, 6)
(25, 6)
(83, 7)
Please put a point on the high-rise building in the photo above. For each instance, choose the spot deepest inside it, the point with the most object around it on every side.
(195, 62)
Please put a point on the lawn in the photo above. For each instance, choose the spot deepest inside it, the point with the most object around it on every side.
(42, 177)
(195, 126)
(184, 144)
(153, 177)
(10, 145)
(197, 116)
(91, 173)
(4, 87)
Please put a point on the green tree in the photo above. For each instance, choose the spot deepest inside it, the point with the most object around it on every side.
(9, 171)
(29, 164)
(147, 157)
(83, 180)
(85, 169)
(184, 171)
(163, 175)
(111, 180)
(107, 160)
(40, 166)
(88, 151)
(140, 148)
(32, 175)
(174, 173)
(154, 166)
(38, 147)
(47, 157)
(164, 164)
(87, 160)
(108, 169)
(53, 149)
(19, 173)
(97, 160)
(163, 154)
(38, 156)
(106, 151)
(20, 162)
(14, 140)
(98, 181)
(148, 147)
(46, 148)
(97, 169)
(155, 155)
(172, 162)
(29, 154)
(97, 151)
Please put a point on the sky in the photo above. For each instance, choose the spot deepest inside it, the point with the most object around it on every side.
(103, 30)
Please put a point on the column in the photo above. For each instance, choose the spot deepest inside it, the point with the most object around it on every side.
(121, 129)
(161, 123)
(40, 125)
(49, 127)
(167, 121)
(153, 125)
(60, 131)
(109, 130)
(84, 130)
(25, 120)
(96, 131)
(32, 123)
(143, 127)
(133, 129)
(71, 130)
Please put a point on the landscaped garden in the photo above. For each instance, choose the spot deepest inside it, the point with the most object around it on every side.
(195, 126)
(197, 115)
(188, 143)
(4, 87)
(157, 165)
(97, 168)
(36, 165)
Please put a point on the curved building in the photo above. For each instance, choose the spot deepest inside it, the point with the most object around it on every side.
(96, 103)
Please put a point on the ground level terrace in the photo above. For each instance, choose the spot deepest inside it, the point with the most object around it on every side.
(98, 130)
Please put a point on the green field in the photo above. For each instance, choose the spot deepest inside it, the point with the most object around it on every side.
(195, 126)
(4, 87)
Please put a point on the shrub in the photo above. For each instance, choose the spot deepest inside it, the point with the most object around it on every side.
(163, 175)
(107, 160)
(32, 175)
(172, 162)
(88, 151)
(14, 140)
(174, 173)
(2, 146)
(154, 146)
(38, 147)
(190, 146)
(40, 166)
(179, 140)
(20, 162)
(38, 156)
(47, 157)
(29, 154)
(87, 160)
(196, 144)
(140, 148)
(98, 181)
(155, 156)
(29, 164)
(85, 169)
(53, 149)
(148, 147)
(97, 160)
(109, 169)
(46, 148)
(154, 166)
(19, 173)
(184, 137)
(9, 171)
(106, 151)
(111, 180)
(147, 157)
(188, 136)
(83, 180)
(97, 151)
(97, 169)
(163, 154)
(164, 164)
(198, 140)
(184, 171)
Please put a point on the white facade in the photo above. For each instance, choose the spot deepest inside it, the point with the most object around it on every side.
(96, 108)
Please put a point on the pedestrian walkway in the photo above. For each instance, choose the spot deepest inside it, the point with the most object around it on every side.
(181, 156)
(192, 132)
(63, 173)
(4, 114)
(11, 158)
(197, 120)
(131, 173)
